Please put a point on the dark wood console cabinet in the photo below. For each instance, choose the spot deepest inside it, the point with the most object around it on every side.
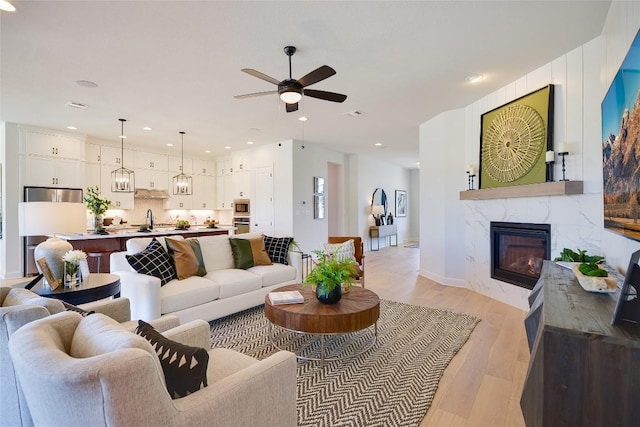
(583, 371)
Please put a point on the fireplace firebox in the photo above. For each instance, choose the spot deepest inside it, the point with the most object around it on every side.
(517, 252)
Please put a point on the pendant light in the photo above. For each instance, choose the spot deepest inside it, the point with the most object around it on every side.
(122, 179)
(181, 182)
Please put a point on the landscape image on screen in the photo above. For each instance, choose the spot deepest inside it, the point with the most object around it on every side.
(621, 147)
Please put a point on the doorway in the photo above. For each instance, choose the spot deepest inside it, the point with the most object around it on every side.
(335, 197)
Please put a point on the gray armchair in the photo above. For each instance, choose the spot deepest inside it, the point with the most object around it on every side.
(19, 307)
(78, 371)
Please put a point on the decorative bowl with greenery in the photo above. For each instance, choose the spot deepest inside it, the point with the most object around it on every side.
(330, 275)
(97, 205)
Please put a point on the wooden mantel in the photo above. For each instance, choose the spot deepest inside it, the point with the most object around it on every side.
(530, 190)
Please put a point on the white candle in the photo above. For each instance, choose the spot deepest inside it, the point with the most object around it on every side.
(563, 147)
(550, 156)
(472, 170)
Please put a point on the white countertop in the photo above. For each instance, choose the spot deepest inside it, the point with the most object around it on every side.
(133, 232)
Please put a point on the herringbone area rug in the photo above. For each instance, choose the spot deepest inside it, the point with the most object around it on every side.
(392, 384)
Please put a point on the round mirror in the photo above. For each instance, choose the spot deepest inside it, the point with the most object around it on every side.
(379, 198)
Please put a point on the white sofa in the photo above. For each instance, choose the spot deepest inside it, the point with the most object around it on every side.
(222, 291)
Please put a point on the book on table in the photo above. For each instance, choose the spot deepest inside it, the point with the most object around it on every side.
(286, 297)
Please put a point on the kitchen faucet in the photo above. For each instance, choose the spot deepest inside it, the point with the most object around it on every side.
(149, 219)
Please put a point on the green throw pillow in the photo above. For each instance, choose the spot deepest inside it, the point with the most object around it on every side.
(249, 252)
(195, 245)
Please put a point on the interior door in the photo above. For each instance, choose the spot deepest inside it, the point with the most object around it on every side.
(262, 206)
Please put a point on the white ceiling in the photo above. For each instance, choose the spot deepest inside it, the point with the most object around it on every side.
(175, 65)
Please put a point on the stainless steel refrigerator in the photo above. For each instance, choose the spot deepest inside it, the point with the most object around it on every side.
(44, 194)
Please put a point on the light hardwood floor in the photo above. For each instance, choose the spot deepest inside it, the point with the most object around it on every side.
(482, 384)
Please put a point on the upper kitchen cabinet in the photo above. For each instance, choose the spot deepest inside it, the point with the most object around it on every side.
(223, 166)
(92, 153)
(204, 167)
(241, 161)
(176, 165)
(151, 161)
(51, 172)
(114, 156)
(39, 143)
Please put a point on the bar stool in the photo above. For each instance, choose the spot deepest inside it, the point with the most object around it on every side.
(99, 256)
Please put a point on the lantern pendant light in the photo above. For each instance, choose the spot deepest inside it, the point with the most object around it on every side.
(122, 179)
(182, 184)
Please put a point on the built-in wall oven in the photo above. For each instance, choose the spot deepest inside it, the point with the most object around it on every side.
(242, 224)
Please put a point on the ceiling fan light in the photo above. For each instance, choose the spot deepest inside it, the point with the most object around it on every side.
(290, 97)
(6, 6)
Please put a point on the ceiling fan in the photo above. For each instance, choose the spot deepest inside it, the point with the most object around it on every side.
(291, 90)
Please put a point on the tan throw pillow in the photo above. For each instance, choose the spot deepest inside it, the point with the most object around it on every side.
(249, 252)
(260, 255)
(184, 258)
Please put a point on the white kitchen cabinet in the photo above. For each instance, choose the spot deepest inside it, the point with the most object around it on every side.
(204, 192)
(114, 156)
(241, 185)
(151, 179)
(176, 201)
(92, 153)
(204, 167)
(224, 192)
(241, 161)
(51, 145)
(151, 161)
(118, 200)
(53, 172)
(223, 166)
(92, 176)
(175, 165)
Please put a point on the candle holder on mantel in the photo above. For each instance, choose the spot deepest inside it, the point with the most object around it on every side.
(563, 153)
(471, 175)
(550, 160)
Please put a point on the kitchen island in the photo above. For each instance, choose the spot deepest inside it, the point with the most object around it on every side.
(104, 244)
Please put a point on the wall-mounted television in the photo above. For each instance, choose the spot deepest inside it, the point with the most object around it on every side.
(628, 305)
(620, 138)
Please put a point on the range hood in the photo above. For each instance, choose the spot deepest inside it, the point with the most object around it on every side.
(147, 193)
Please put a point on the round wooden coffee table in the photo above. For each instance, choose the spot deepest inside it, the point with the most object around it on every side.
(357, 310)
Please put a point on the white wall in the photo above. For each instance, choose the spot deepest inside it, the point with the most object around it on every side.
(581, 78)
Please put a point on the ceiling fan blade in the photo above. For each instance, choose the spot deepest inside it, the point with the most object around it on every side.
(292, 107)
(317, 75)
(252, 95)
(260, 75)
(327, 96)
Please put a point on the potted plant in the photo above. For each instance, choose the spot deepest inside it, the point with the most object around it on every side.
(97, 205)
(330, 275)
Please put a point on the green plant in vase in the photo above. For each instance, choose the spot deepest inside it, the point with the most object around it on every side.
(97, 205)
(329, 275)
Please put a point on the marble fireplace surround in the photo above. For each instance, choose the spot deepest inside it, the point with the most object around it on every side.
(576, 222)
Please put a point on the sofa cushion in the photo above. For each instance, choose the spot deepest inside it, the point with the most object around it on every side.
(138, 244)
(234, 281)
(183, 256)
(274, 274)
(224, 362)
(195, 245)
(184, 367)
(181, 294)
(249, 252)
(153, 261)
(216, 252)
(277, 248)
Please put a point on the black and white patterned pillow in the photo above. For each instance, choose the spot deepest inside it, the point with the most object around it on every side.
(153, 261)
(277, 248)
(184, 367)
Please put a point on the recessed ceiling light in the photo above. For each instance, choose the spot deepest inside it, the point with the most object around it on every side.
(72, 128)
(227, 147)
(207, 151)
(250, 142)
(474, 78)
(378, 144)
(303, 118)
(6, 6)
(123, 137)
(86, 83)
(146, 128)
(418, 163)
(169, 145)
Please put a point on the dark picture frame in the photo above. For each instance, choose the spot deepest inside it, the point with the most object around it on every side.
(401, 203)
(514, 139)
(628, 305)
(620, 174)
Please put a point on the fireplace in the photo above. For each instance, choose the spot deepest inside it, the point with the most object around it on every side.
(517, 251)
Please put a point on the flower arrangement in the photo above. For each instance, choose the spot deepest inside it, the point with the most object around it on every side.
(72, 261)
(330, 272)
(96, 203)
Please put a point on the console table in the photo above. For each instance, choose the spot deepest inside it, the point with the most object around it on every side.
(582, 371)
(378, 231)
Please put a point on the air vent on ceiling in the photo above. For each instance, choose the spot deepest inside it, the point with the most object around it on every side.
(75, 105)
(354, 113)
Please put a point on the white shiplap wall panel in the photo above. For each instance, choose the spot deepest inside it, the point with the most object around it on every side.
(539, 78)
(574, 136)
(593, 58)
(495, 99)
(510, 92)
(521, 87)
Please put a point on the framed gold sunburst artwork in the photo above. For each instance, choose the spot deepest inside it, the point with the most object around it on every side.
(514, 139)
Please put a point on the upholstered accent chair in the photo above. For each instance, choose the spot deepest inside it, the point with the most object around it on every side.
(358, 254)
(78, 371)
(20, 306)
